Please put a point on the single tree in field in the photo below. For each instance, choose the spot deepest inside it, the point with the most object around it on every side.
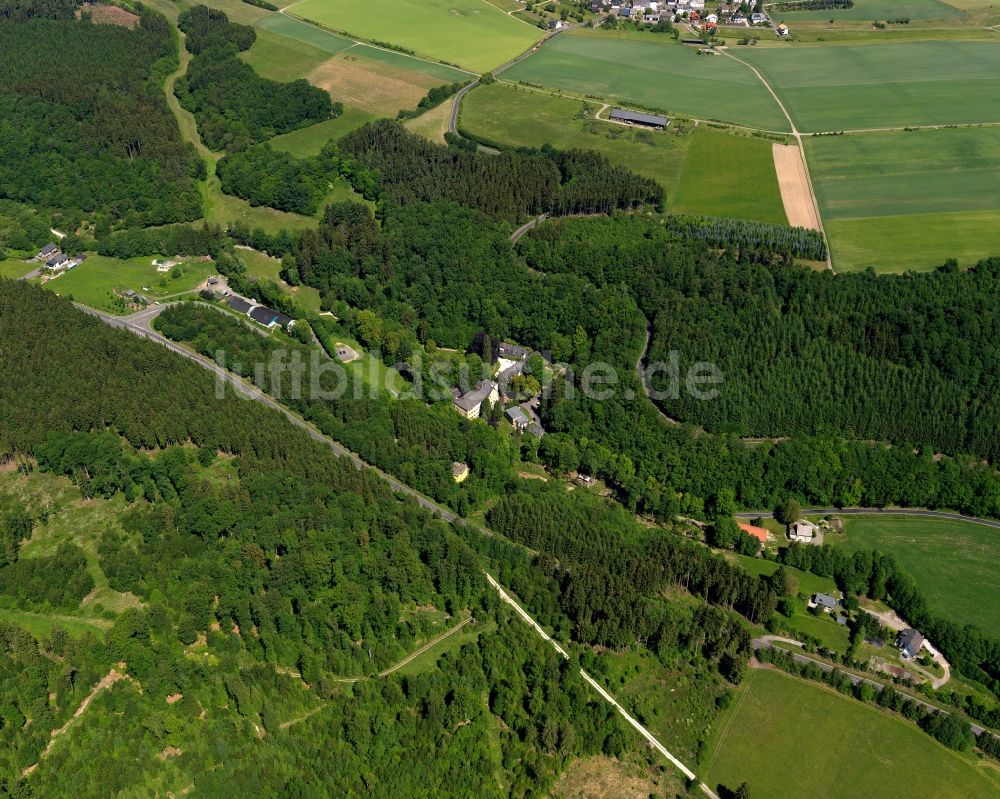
(789, 512)
(743, 792)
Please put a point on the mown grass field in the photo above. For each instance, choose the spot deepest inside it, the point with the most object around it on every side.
(726, 175)
(522, 117)
(914, 242)
(470, 33)
(15, 267)
(779, 723)
(283, 58)
(661, 75)
(869, 10)
(956, 564)
(706, 171)
(310, 140)
(308, 35)
(908, 200)
(884, 85)
(99, 280)
(263, 266)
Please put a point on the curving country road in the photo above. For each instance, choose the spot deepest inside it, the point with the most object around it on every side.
(929, 514)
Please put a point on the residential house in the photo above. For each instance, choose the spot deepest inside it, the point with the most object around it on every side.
(56, 261)
(625, 11)
(760, 533)
(824, 601)
(514, 352)
(758, 19)
(909, 642)
(782, 29)
(459, 471)
(470, 404)
(803, 531)
(46, 251)
(518, 418)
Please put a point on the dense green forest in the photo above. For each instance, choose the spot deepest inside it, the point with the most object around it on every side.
(908, 359)
(402, 167)
(233, 105)
(22, 228)
(84, 125)
(256, 556)
(276, 179)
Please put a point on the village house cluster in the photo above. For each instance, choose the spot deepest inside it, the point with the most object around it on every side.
(55, 260)
(692, 11)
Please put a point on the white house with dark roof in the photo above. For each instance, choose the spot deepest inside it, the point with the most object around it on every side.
(803, 531)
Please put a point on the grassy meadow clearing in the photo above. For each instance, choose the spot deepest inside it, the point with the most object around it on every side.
(656, 73)
(470, 33)
(778, 723)
(956, 564)
(852, 87)
(99, 280)
(869, 10)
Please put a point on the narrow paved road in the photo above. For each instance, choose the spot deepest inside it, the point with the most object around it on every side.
(929, 514)
(140, 325)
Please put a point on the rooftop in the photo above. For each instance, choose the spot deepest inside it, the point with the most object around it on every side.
(475, 397)
(643, 119)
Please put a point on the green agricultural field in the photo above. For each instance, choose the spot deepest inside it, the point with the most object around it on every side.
(309, 141)
(263, 266)
(881, 174)
(15, 267)
(726, 175)
(790, 739)
(908, 200)
(310, 35)
(884, 85)
(283, 58)
(917, 242)
(869, 10)
(99, 280)
(521, 117)
(956, 564)
(470, 33)
(665, 76)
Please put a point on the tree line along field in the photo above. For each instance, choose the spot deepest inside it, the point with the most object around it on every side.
(854, 87)
(659, 74)
(704, 170)
(779, 723)
(469, 33)
(956, 564)
(868, 10)
(908, 200)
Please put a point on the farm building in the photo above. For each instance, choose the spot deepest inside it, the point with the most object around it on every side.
(636, 118)
(269, 318)
(239, 304)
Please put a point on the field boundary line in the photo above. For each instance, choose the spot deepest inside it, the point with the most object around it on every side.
(802, 149)
(362, 41)
(509, 13)
(725, 732)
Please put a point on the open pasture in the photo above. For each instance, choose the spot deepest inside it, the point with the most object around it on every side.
(283, 58)
(916, 172)
(856, 87)
(870, 10)
(98, 280)
(956, 564)
(778, 723)
(470, 33)
(665, 76)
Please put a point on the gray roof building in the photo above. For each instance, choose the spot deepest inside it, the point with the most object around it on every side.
(47, 249)
(825, 601)
(636, 118)
(268, 317)
(239, 304)
(518, 417)
(472, 400)
(909, 642)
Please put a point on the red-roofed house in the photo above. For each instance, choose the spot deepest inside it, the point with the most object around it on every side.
(760, 533)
